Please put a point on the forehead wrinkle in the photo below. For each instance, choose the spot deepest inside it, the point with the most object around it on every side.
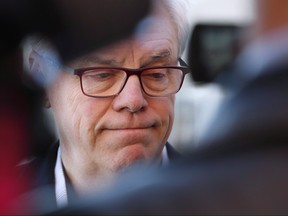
(98, 60)
(164, 55)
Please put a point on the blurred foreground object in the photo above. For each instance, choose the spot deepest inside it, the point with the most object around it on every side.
(74, 27)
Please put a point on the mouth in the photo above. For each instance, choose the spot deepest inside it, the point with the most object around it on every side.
(129, 135)
(130, 128)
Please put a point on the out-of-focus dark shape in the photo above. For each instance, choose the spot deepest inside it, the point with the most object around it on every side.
(213, 48)
(14, 133)
(96, 23)
(75, 27)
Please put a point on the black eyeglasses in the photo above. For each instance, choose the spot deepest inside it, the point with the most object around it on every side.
(103, 82)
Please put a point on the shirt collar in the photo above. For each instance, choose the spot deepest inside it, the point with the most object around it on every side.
(60, 184)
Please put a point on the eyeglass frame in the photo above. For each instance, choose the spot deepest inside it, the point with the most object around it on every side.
(129, 72)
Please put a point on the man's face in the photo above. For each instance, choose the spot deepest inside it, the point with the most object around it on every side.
(112, 133)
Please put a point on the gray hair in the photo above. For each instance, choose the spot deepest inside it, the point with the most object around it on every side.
(179, 12)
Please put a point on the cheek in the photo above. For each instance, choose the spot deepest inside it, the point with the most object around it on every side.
(168, 107)
(89, 113)
(71, 108)
(170, 111)
(63, 91)
(164, 107)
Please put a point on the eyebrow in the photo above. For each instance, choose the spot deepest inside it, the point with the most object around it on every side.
(95, 59)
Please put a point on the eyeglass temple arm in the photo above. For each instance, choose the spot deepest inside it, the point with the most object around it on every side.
(183, 63)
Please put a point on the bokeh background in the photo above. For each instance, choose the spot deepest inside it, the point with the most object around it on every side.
(196, 104)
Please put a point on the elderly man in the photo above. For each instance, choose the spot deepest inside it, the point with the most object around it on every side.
(113, 107)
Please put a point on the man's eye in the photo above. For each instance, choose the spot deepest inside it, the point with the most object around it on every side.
(155, 75)
(100, 75)
(158, 74)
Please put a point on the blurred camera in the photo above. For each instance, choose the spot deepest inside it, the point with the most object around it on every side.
(212, 49)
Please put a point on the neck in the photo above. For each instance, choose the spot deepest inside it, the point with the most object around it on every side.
(85, 178)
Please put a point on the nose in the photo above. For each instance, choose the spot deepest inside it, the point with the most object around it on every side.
(131, 98)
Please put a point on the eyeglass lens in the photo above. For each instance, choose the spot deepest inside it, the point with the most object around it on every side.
(109, 82)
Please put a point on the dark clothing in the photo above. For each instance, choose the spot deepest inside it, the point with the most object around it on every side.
(42, 190)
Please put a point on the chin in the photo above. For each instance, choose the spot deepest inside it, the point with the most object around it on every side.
(131, 155)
